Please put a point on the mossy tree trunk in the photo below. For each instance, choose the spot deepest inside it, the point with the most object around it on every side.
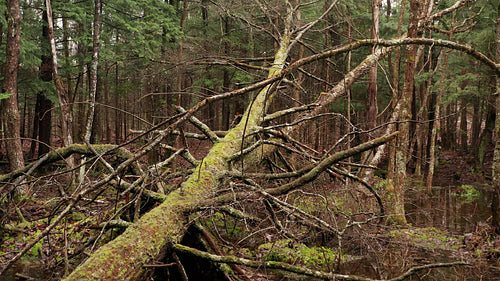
(124, 257)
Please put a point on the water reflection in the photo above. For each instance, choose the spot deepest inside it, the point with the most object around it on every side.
(452, 208)
(25, 270)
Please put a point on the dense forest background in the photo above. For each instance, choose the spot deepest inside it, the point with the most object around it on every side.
(257, 140)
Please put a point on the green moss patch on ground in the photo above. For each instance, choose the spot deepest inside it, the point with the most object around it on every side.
(428, 237)
(286, 250)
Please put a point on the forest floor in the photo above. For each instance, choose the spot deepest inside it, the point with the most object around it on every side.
(432, 239)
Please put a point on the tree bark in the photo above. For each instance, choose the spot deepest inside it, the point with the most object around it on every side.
(436, 124)
(489, 127)
(397, 179)
(10, 110)
(93, 68)
(92, 79)
(67, 116)
(463, 125)
(371, 101)
(476, 122)
(42, 122)
(495, 219)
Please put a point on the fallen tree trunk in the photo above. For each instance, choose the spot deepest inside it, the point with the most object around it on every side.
(146, 240)
(124, 258)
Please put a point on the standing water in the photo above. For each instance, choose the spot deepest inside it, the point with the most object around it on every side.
(456, 209)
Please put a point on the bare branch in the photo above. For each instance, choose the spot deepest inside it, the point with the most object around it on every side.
(327, 162)
(201, 126)
(299, 269)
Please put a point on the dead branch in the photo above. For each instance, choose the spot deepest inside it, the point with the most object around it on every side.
(365, 184)
(284, 112)
(298, 269)
(327, 162)
(184, 154)
(65, 152)
(125, 186)
(201, 126)
(313, 172)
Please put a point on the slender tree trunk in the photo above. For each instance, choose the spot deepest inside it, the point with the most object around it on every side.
(371, 101)
(437, 111)
(487, 133)
(118, 114)
(42, 122)
(422, 129)
(226, 78)
(463, 125)
(10, 110)
(436, 124)
(107, 100)
(180, 75)
(476, 123)
(92, 79)
(67, 117)
(452, 126)
(495, 209)
(397, 57)
(93, 68)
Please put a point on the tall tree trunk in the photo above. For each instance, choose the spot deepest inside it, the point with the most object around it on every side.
(437, 112)
(66, 114)
(10, 110)
(476, 123)
(463, 125)
(118, 114)
(226, 78)
(422, 129)
(42, 121)
(487, 133)
(397, 180)
(92, 79)
(495, 218)
(436, 124)
(93, 68)
(371, 101)
(180, 75)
